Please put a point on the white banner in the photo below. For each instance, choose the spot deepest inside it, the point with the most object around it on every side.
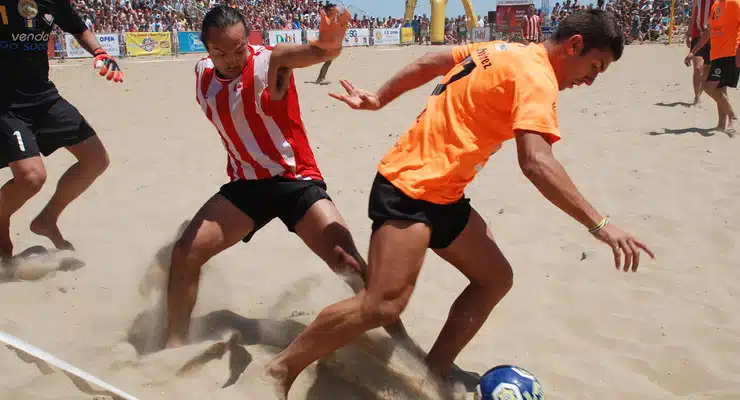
(312, 34)
(109, 42)
(386, 36)
(291, 36)
(481, 35)
(357, 37)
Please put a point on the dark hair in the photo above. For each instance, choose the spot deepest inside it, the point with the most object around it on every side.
(221, 16)
(600, 30)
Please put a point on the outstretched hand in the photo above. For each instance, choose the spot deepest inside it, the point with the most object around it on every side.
(357, 99)
(623, 242)
(332, 29)
(108, 66)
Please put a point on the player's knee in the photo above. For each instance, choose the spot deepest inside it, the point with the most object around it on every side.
(186, 256)
(31, 179)
(97, 162)
(499, 280)
(384, 310)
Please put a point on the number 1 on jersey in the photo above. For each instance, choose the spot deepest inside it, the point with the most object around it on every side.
(4, 15)
(19, 138)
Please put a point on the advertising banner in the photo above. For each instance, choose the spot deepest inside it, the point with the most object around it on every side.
(357, 37)
(407, 35)
(148, 43)
(255, 37)
(291, 36)
(190, 42)
(109, 42)
(509, 16)
(386, 37)
(312, 34)
(481, 35)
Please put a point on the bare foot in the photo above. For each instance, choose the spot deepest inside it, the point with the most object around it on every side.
(730, 129)
(50, 230)
(277, 376)
(6, 245)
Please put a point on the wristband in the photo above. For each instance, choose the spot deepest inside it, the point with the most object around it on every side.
(600, 226)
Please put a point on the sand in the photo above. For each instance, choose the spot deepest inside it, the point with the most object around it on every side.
(586, 331)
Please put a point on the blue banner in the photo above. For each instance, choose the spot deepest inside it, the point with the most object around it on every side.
(190, 42)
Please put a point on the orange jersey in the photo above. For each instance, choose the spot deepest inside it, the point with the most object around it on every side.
(495, 89)
(724, 28)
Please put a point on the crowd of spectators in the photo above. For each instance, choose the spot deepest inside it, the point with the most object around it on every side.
(641, 19)
(185, 15)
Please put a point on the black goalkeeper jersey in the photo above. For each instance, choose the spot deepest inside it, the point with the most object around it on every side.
(25, 26)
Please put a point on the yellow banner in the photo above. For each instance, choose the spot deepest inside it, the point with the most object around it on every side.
(407, 35)
(148, 43)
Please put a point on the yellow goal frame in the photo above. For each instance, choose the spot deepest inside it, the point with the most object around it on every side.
(437, 24)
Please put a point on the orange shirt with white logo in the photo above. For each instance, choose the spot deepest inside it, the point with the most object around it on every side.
(724, 28)
(495, 89)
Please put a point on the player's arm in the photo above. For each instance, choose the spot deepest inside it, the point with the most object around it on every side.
(286, 57)
(418, 73)
(703, 40)
(539, 165)
(410, 77)
(70, 21)
(88, 41)
(536, 128)
(547, 174)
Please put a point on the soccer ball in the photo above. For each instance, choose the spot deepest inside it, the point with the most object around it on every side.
(507, 382)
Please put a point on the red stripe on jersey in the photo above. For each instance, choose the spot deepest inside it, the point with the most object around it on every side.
(288, 119)
(701, 11)
(257, 125)
(224, 114)
(205, 83)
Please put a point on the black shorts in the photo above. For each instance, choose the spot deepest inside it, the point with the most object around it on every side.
(703, 52)
(724, 71)
(30, 130)
(447, 221)
(265, 199)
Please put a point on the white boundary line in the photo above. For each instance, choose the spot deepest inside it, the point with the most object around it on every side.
(64, 366)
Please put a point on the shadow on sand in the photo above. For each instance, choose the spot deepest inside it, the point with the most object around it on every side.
(36, 262)
(674, 104)
(702, 131)
(370, 365)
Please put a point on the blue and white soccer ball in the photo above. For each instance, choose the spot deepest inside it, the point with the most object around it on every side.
(507, 382)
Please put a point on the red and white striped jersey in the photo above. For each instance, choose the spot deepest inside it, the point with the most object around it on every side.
(701, 12)
(531, 26)
(263, 138)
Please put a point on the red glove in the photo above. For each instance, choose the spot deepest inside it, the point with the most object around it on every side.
(108, 65)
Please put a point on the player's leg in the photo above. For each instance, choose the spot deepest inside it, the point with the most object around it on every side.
(63, 126)
(711, 86)
(325, 232)
(475, 253)
(397, 251)
(18, 150)
(321, 80)
(698, 78)
(218, 225)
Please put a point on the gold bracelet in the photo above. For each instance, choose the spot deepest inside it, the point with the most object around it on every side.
(600, 226)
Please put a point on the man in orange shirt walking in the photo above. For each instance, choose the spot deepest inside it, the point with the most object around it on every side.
(723, 36)
(491, 93)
